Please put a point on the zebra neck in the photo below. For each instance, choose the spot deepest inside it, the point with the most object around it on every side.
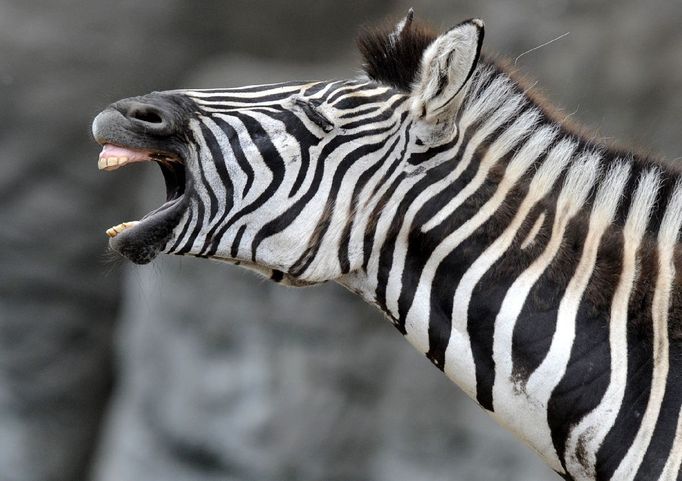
(519, 266)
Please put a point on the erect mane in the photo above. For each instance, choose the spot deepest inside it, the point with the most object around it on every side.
(393, 55)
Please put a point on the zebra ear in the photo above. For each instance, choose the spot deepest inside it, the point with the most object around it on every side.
(446, 67)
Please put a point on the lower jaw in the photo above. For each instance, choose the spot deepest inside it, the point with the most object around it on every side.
(150, 236)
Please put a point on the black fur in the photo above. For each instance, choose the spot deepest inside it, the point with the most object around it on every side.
(394, 59)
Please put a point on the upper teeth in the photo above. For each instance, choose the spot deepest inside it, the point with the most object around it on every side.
(111, 163)
(117, 229)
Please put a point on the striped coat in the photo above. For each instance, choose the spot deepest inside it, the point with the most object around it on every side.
(536, 267)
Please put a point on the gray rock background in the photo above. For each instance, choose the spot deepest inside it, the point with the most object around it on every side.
(190, 370)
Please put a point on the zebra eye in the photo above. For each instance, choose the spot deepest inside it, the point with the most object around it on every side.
(311, 111)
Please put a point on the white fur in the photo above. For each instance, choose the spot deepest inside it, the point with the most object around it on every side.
(502, 145)
(533, 232)
(672, 465)
(667, 239)
(585, 439)
(451, 56)
(523, 414)
(459, 363)
(417, 318)
(479, 109)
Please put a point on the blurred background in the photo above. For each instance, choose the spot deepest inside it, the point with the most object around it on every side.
(188, 370)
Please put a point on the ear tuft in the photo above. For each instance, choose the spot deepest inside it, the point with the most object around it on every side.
(392, 54)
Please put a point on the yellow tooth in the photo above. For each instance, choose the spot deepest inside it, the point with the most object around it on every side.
(117, 229)
(111, 163)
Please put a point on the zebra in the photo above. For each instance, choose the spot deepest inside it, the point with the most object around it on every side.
(532, 264)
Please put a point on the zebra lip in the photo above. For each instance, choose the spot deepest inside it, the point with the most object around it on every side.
(142, 241)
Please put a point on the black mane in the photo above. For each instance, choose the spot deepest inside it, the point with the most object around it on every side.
(393, 57)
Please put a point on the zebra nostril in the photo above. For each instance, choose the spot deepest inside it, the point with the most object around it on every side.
(149, 116)
(145, 113)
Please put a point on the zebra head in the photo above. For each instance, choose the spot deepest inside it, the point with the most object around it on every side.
(286, 179)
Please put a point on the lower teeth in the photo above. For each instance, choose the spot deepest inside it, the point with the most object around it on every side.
(117, 229)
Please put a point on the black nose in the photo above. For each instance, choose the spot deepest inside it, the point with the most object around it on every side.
(152, 118)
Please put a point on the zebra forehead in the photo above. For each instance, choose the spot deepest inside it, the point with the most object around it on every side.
(360, 90)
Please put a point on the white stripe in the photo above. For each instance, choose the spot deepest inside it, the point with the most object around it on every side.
(322, 265)
(542, 382)
(262, 175)
(325, 91)
(542, 182)
(394, 285)
(268, 89)
(417, 318)
(236, 174)
(547, 376)
(585, 439)
(235, 107)
(512, 407)
(203, 188)
(533, 232)
(671, 469)
(502, 145)
(353, 92)
(382, 108)
(192, 210)
(459, 361)
(667, 239)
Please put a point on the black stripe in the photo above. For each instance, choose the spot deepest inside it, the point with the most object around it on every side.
(195, 232)
(366, 110)
(419, 245)
(214, 149)
(490, 291)
(388, 246)
(587, 373)
(640, 366)
(536, 324)
(382, 117)
(354, 101)
(185, 228)
(371, 229)
(312, 90)
(217, 101)
(238, 152)
(346, 163)
(344, 248)
(489, 294)
(217, 157)
(272, 160)
(664, 433)
(234, 250)
(346, 88)
(458, 260)
(306, 141)
(291, 214)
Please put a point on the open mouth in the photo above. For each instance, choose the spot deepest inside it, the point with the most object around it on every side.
(140, 240)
